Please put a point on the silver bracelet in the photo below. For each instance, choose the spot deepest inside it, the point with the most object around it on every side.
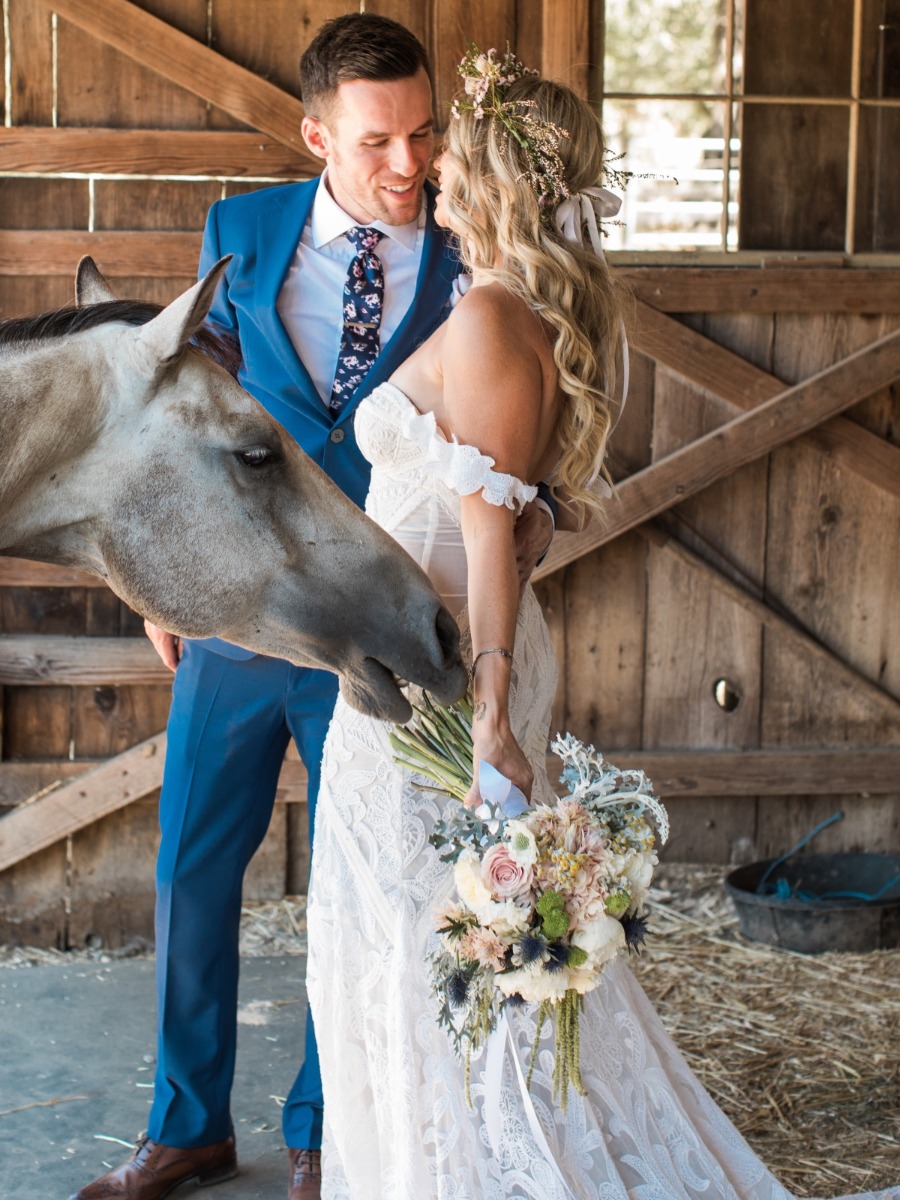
(493, 650)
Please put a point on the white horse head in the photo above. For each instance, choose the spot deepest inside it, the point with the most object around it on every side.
(129, 452)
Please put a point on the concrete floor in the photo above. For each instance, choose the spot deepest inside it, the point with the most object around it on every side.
(76, 1072)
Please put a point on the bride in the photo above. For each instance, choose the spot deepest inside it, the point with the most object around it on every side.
(510, 391)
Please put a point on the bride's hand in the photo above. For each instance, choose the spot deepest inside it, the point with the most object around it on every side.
(498, 747)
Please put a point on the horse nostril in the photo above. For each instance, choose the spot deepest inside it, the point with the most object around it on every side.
(448, 637)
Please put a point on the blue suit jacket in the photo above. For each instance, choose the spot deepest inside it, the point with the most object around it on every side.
(262, 229)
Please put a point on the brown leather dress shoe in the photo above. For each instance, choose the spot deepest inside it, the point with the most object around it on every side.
(156, 1170)
(306, 1174)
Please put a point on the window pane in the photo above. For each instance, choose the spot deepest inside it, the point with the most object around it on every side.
(794, 176)
(799, 49)
(664, 46)
(878, 197)
(680, 146)
(880, 46)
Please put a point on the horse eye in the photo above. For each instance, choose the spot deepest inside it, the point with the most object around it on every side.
(256, 456)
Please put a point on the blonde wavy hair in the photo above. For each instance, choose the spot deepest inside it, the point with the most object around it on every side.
(504, 232)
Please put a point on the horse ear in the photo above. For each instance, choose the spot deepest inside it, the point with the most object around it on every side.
(167, 335)
(90, 286)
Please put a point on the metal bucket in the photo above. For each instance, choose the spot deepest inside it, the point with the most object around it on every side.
(815, 925)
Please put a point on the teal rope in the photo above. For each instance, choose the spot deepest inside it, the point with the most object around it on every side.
(783, 890)
(761, 886)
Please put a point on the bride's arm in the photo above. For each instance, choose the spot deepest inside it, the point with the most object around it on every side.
(493, 389)
(493, 597)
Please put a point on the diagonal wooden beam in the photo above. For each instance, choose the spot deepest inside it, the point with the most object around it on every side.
(38, 823)
(740, 441)
(788, 626)
(742, 386)
(155, 44)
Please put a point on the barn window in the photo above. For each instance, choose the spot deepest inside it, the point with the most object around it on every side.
(777, 120)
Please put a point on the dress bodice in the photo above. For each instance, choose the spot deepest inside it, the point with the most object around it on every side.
(418, 476)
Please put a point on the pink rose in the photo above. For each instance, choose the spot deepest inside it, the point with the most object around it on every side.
(502, 875)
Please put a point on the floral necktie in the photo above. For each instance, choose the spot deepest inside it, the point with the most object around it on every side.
(363, 303)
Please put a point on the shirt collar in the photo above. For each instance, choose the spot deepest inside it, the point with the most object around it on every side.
(328, 221)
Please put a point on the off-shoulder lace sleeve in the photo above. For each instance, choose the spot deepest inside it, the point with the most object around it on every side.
(463, 469)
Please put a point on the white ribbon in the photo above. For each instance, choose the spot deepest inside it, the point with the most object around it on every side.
(493, 1083)
(584, 209)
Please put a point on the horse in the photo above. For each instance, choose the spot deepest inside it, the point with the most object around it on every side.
(130, 452)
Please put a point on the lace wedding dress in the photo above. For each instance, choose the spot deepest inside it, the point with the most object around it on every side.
(397, 1126)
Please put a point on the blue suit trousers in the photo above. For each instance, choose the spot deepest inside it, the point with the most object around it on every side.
(229, 727)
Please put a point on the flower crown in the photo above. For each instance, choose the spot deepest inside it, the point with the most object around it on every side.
(486, 80)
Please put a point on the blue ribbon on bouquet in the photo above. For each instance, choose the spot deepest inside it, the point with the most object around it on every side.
(498, 793)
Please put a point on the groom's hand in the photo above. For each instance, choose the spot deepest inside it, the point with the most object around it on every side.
(534, 533)
(166, 645)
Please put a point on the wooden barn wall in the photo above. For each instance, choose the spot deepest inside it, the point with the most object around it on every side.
(642, 634)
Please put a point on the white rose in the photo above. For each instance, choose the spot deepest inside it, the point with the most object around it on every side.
(639, 874)
(582, 979)
(505, 917)
(469, 884)
(533, 985)
(600, 939)
(522, 846)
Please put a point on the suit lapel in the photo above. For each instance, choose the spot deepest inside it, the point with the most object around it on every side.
(278, 232)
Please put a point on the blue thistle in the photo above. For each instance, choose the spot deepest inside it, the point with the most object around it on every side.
(458, 987)
(635, 932)
(531, 948)
(515, 1000)
(559, 957)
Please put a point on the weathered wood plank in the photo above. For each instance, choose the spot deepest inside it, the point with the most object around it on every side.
(834, 557)
(22, 780)
(111, 885)
(271, 42)
(831, 772)
(36, 825)
(556, 42)
(183, 60)
(780, 289)
(30, 51)
(878, 700)
(46, 661)
(129, 90)
(740, 441)
(841, 771)
(668, 289)
(454, 24)
(22, 572)
(56, 252)
(101, 790)
(731, 516)
(742, 385)
(93, 151)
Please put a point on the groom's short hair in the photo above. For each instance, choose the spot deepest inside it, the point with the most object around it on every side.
(357, 46)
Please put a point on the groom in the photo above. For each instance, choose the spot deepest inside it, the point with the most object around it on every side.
(320, 294)
(332, 285)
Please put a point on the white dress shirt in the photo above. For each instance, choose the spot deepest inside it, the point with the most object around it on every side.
(310, 303)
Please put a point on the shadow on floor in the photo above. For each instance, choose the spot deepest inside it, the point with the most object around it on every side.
(76, 1072)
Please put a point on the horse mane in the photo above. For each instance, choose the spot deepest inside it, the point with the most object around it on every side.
(223, 348)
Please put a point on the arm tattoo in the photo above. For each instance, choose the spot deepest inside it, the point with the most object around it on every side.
(480, 710)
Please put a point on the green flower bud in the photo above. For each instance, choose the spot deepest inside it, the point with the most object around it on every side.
(617, 903)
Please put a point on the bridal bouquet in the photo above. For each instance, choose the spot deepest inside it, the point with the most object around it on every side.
(545, 897)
